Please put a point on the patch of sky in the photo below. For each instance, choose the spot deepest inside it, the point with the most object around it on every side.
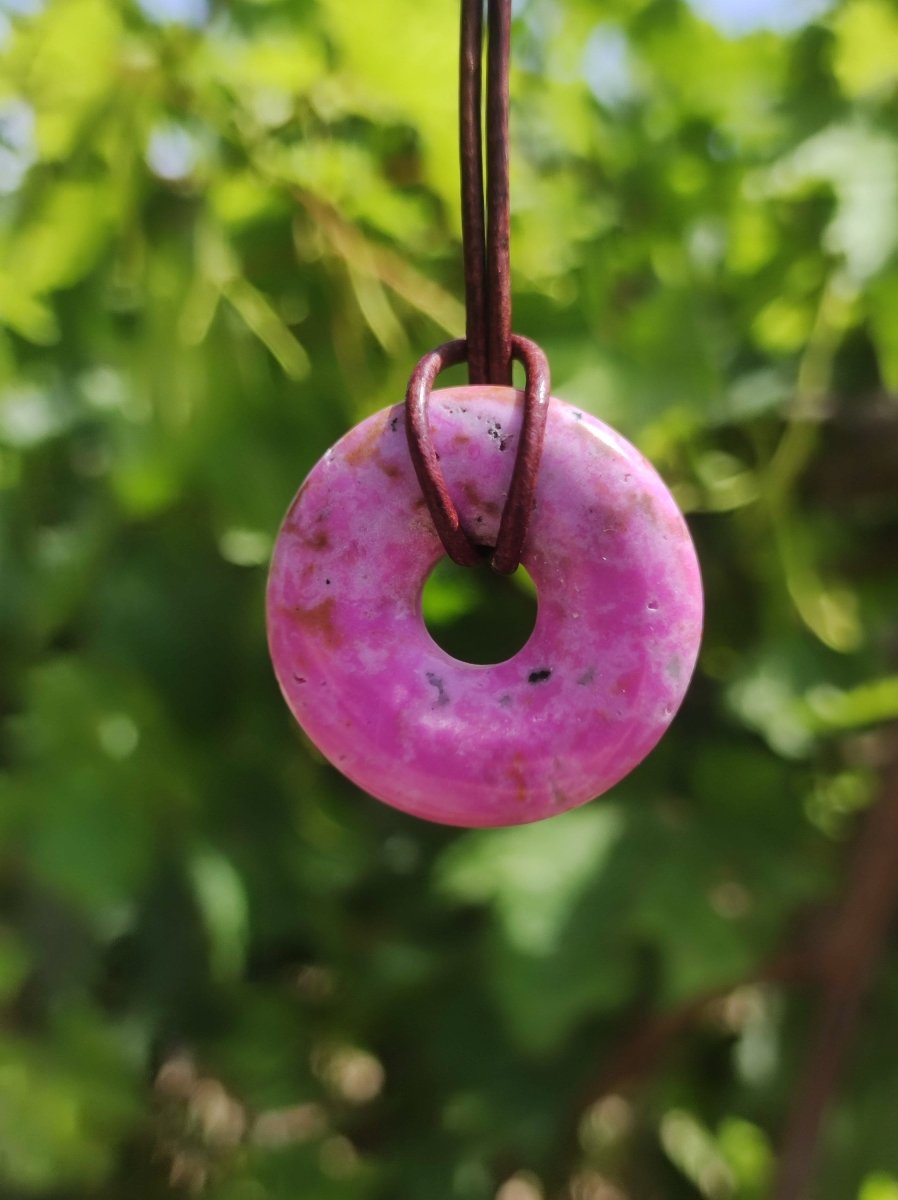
(738, 18)
(193, 13)
(171, 152)
(22, 8)
(608, 66)
(17, 143)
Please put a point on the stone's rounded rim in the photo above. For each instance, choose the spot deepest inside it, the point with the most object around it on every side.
(576, 708)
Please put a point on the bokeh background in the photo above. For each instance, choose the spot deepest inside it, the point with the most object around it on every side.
(227, 232)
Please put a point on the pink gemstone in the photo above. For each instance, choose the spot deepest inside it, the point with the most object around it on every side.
(614, 646)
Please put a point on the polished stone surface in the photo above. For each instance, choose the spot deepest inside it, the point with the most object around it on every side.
(594, 688)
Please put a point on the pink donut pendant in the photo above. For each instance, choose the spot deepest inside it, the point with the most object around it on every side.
(594, 688)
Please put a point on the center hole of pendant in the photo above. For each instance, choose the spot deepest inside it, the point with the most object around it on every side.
(477, 615)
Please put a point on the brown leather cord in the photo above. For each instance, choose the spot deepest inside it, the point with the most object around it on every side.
(460, 547)
(470, 139)
(489, 345)
(485, 237)
(498, 202)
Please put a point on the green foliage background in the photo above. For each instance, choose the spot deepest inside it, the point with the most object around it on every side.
(224, 970)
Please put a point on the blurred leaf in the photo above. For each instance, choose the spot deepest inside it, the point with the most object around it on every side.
(62, 1106)
(222, 901)
(532, 874)
(883, 304)
(747, 1152)
(829, 708)
(860, 164)
(866, 47)
(691, 1148)
(879, 1187)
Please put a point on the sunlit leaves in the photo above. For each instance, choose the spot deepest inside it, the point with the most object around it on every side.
(866, 48)
(65, 65)
(226, 232)
(56, 246)
(879, 1187)
(861, 166)
(372, 39)
(65, 1100)
(734, 1164)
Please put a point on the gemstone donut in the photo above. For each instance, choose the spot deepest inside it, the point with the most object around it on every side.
(596, 685)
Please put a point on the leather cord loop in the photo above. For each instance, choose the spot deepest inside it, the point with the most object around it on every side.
(459, 545)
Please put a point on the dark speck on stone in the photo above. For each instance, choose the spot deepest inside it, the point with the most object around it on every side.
(578, 416)
(539, 676)
(492, 429)
(327, 582)
(505, 700)
(299, 678)
(436, 681)
(394, 424)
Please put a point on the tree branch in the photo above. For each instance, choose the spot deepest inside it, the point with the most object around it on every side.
(847, 968)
